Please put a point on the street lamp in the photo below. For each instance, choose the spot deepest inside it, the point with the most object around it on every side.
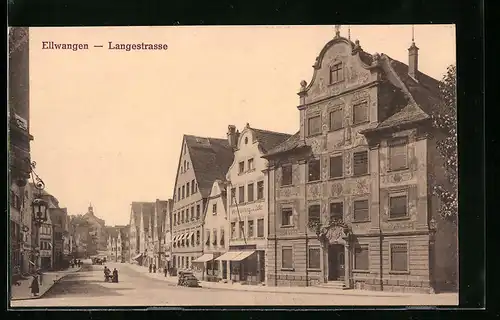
(39, 206)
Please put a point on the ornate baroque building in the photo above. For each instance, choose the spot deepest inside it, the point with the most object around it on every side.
(351, 201)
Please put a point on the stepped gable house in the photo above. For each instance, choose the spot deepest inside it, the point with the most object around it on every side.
(202, 160)
(362, 164)
(97, 230)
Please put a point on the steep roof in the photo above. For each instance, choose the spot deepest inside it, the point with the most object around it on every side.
(211, 158)
(289, 144)
(148, 210)
(112, 232)
(269, 139)
(136, 212)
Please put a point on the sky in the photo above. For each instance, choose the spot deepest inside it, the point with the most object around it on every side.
(108, 124)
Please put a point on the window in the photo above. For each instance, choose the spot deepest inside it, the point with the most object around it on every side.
(314, 213)
(314, 261)
(214, 240)
(286, 217)
(361, 257)
(336, 73)
(250, 192)
(250, 164)
(398, 206)
(286, 175)
(260, 228)
(214, 208)
(242, 167)
(207, 242)
(233, 195)
(187, 163)
(314, 125)
(336, 118)
(233, 230)
(175, 219)
(242, 194)
(182, 216)
(197, 212)
(360, 113)
(399, 257)
(260, 190)
(195, 187)
(361, 210)
(336, 167)
(286, 258)
(242, 229)
(221, 236)
(250, 228)
(314, 170)
(360, 162)
(198, 237)
(398, 154)
(178, 194)
(187, 190)
(337, 211)
(192, 187)
(183, 192)
(192, 213)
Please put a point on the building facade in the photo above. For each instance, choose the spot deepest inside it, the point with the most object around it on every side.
(117, 243)
(216, 231)
(166, 241)
(161, 213)
(201, 161)
(58, 218)
(97, 229)
(20, 231)
(351, 201)
(248, 204)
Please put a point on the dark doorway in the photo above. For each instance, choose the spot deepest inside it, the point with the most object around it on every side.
(335, 262)
(262, 257)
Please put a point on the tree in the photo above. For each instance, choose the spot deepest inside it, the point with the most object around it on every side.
(445, 121)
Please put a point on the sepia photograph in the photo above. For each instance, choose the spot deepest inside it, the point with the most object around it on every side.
(233, 166)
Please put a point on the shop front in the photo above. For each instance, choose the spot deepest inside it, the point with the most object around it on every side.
(245, 266)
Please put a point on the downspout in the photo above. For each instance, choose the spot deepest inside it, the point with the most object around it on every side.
(306, 222)
(274, 219)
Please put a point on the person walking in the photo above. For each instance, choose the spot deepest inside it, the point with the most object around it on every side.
(115, 275)
(165, 271)
(150, 268)
(35, 289)
(154, 268)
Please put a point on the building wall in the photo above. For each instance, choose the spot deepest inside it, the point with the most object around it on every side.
(185, 174)
(248, 148)
(216, 220)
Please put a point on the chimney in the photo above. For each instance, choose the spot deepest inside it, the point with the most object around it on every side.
(413, 60)
(232, 136)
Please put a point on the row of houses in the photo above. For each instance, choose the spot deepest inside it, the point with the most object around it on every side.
(346, 201)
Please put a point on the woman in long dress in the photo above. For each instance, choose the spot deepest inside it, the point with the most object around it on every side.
(35, 289)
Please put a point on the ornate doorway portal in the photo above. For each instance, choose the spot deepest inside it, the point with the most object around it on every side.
(336, 262)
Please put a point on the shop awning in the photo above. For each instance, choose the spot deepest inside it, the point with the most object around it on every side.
(175, 238)
(183, 236)
(204, 258)
(243, 255)
(190, 235)
(138, 256)
(229, 256)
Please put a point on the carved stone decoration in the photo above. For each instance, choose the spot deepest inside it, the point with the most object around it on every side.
(314, 191)
(336, 190)
(296, 173)
(397, 225)
(321, 85)
(324, 171)
(363, 78)
(278, 176)
(359, 140)
(336, 235)
(347, 134)
(316, 146)
(285, 192)
(335, 90)
(398, 177)
(361, 187)
(360, 95)
(348, 164)
(353, 74)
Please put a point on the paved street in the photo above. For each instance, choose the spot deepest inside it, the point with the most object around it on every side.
(136, 288)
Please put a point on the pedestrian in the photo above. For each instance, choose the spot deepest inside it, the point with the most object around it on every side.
(150, 268)
(106, 274)
(115, 275)
(35, 289)
(165, 270)
(154, 268)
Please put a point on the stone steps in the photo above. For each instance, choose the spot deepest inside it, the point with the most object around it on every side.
(340, 285)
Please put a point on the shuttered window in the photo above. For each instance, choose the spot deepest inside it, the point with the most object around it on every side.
(398, 157)
(398, 206)
(250, 190)
(314, 213)
(337, 211)
(361, 257)
(314, 261)
(260, 190)
(360, 113)
(241, 194)
(286, 217)
(399, 257)
(314, 125)
(361, 210)
(360, 160)
(286, 258)
(336, 166)
(314, 170)
(336, 119)
(260, 228)
(286, 175)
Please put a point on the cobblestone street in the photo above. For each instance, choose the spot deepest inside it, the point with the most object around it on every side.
(139, 288)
